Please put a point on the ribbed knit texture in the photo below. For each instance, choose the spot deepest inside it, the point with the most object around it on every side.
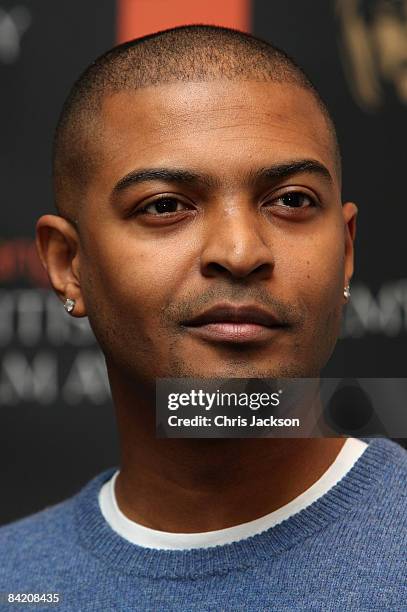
(346, 551)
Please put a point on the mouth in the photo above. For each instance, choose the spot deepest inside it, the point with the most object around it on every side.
(235, 324)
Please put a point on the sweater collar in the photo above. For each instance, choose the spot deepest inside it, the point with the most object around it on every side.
(352, 491)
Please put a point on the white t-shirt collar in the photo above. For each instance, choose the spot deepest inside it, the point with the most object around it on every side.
(152, 538)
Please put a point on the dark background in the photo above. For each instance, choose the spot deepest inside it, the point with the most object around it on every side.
(57, 426)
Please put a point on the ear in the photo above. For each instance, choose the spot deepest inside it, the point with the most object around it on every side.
(349, 212)
(58, 247)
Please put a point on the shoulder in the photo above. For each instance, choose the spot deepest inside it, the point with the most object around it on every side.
(395, 456)
(41, 544)
(381, 518)
(37, 528)
(41, 530)
(386, 465)
(35, 546)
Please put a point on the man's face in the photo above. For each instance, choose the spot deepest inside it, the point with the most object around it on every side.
(204, 196)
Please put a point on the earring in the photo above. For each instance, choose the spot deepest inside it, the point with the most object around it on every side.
(346, 292)
(69, 305)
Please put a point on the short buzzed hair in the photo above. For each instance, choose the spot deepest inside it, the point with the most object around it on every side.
(185, 53)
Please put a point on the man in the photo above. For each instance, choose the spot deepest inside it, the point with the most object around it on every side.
(201, 230)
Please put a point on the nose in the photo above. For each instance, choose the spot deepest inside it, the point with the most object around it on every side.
(235, 245)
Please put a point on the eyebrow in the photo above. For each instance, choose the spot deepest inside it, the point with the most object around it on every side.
(287, 169)
(168, 175)
(181, 176)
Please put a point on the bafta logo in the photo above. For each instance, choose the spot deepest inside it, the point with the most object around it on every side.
(373, 36)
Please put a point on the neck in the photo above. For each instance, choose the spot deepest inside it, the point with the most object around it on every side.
(197, 485)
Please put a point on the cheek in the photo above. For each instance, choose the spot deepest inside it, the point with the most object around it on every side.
(313, 271)
(316, 258)
(126, 290)
(137, 277)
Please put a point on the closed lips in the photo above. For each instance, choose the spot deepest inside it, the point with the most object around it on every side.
(230, 314)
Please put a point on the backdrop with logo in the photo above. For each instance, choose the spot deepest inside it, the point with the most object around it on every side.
(56, 419)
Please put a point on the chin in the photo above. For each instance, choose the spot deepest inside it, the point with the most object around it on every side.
(242, 369)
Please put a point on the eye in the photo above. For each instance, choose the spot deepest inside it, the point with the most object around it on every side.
(162, 206)
(294, 200)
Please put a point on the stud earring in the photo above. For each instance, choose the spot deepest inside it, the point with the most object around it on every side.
(346, 292)
(69, 305)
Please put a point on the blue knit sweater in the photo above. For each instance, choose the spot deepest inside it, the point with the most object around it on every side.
(346, 551)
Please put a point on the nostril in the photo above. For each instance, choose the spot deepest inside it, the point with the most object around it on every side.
(243, 270)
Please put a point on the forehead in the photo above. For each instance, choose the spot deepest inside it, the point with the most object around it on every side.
(222, 125)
